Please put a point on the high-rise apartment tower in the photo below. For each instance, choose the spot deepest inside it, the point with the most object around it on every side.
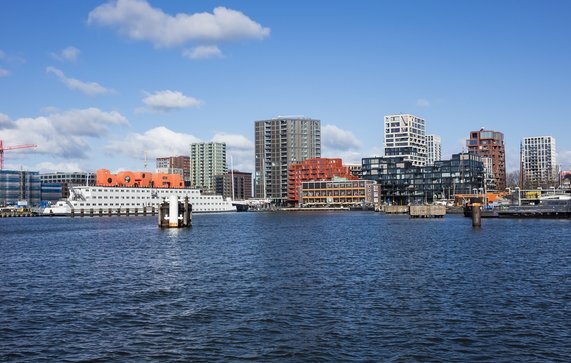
(488, 143)
(433, 149)
(538, 162)
(405, 136)
(207, 159)
(279, 142)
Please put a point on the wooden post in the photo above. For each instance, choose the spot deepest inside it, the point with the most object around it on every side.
(476, 215)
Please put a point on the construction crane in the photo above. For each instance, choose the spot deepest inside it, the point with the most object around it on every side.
(2, 149)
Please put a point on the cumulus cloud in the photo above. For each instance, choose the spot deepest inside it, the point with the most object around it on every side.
(6, 122)
(4, 72)
(332, 137)
(49, 167)
(64, 134)
(239, 151)
(138, 20)
(203, 52)
(88, 88)
(156, 142)
(69, 54)
(170, 100)
(422, 102)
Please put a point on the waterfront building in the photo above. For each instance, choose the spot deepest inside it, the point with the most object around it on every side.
(20, 187)
(336, 193)
(51, 192)
(488, 143)
(278, 143)
(242, 184)
(175, 165)
(402, 183)
(538, 162)
(355, 169)
(489, 179)
(66, 180)
(314, 169)
(433, 149)
(207, 159)
(405, 136)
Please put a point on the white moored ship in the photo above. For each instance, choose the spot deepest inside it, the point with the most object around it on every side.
(134, 198)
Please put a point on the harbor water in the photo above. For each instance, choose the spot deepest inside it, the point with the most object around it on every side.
(285, 287)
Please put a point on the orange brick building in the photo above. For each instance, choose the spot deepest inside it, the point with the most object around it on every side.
(315, 169)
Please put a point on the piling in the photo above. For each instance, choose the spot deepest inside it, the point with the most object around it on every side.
(174, 214)
(476, 215)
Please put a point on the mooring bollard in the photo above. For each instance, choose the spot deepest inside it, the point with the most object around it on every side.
(476, 215)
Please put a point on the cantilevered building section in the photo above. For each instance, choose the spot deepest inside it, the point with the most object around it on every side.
(488, 143)
(433, 149)
(280, 142)
(207, 160)
(538, 163)
(405, 136)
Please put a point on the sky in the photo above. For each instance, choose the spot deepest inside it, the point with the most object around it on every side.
(115, 84)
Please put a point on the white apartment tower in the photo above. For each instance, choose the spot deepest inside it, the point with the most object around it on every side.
(433, 149)
(405, 136)
(538, 162)
(207, 159)
(278, 143)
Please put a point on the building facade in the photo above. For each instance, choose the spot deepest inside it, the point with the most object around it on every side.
(242, 185)
(20, 187)
(314, 169)
(402, 183)
(488, 143)
(65, 180)
(175, 165)
(207, 159)
(278, 143)
(337, 193)
(405, 136)
(538, 162)
(433, 149)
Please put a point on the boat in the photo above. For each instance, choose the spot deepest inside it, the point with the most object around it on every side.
(134, 193)
(548, 206)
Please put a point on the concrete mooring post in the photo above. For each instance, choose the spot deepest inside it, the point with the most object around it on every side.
(476, 215)
(174, 214)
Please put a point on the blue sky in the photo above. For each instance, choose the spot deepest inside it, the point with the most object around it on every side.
(99, 84)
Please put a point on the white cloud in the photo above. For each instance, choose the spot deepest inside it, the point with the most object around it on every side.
(11, 58)
(422, 102)
(334, 138)
(69, 54)
(6, 122)
(170, 100)
(203, 52)
(239, 151)
(49, 167)
(138, 20)
(64, 134)
(156, 142)
(4, 72)
(90, 89)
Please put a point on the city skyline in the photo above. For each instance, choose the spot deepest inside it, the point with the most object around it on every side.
(99, 84)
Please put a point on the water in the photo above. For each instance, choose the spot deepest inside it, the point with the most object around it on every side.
(285, 287)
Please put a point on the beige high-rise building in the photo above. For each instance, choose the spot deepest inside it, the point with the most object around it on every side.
(433, 149)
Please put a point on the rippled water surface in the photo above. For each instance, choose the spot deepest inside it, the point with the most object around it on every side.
(284, 287)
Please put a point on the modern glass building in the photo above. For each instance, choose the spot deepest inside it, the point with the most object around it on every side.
(404, 183)
(19, 186)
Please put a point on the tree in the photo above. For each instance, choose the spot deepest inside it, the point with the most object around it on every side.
(512, 179)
